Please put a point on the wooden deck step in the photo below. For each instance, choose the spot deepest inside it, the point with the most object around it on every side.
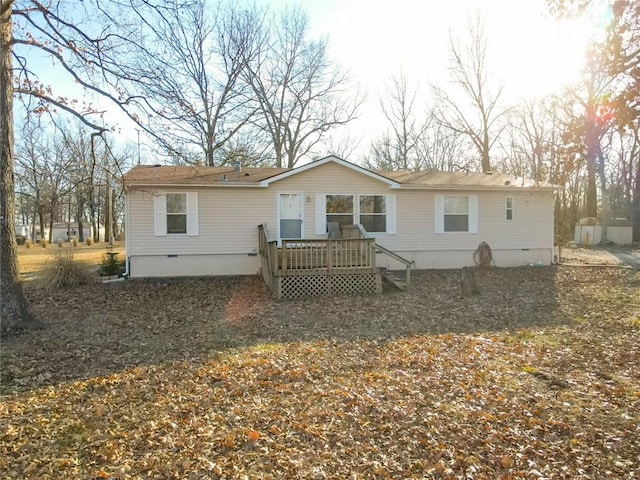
(394, 278)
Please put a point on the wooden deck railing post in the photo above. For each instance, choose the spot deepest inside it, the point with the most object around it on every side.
(330, 256)
(283, 267)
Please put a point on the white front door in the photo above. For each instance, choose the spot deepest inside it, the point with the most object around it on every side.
(290, 215)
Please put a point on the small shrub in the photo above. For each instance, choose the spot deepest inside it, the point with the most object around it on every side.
(110, 264)
(74, 241)
(64, 271)
(60, 244)
(89, 241)
(28, 243)
(44, 243)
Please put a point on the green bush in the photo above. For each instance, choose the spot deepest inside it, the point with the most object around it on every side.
(110, 265)
(64, 271)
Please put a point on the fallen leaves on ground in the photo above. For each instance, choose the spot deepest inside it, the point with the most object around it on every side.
(536, 377)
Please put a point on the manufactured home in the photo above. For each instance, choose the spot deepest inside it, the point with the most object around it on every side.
(187, 220)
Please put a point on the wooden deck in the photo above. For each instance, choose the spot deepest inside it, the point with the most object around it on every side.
(306, 268)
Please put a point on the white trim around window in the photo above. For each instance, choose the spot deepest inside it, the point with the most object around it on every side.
(379, 209)
(456, 213)
(188, 214)
(509, 208)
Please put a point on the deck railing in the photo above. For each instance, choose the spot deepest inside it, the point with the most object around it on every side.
(305, 256)
(326, 256)
(380, 249)
(307, 268)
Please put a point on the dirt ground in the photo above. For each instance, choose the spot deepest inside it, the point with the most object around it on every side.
(141, 321)
(613, 255)
(536, 377)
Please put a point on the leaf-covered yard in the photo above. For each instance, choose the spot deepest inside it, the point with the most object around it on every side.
(537, 377)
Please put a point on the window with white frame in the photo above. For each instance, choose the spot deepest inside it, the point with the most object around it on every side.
(509, 208)
(340, 209)
(176, 214)
(456, 213)
(373, 213)
(376, 213)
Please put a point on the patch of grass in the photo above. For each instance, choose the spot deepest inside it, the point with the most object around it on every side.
(65, 271)
(33, 260)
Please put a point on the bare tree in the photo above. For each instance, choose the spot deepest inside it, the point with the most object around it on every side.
(469, 71)
(341, 146)
(300, 95)
(43, 167)
(441, 149)
(187, 64)
(533, 136)
(397, 149)
(85, 42)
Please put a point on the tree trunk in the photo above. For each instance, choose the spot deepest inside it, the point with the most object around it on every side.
(604, 212)
(593, 146)
(80, 220)
(14, 313)
(468, 285)
(636, 204)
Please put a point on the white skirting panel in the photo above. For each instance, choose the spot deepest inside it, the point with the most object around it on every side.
(192, 265)
(463, 258)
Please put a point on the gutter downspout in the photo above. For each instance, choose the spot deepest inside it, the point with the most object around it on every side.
(126, 272)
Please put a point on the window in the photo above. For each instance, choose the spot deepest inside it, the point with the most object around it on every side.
(373, 213)
(509, 208)
(456, 213)
(176, 213)
(340, 209)
(376, 213)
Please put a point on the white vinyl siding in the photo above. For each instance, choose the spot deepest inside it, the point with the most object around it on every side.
(176, 213)
(456, 213)
(229, 216)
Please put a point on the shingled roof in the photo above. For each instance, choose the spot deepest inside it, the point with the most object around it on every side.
(156, 175)
(193, 175)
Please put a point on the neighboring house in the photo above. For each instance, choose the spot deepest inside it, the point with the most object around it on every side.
(26, 232)
(183, 220)
(65, 231)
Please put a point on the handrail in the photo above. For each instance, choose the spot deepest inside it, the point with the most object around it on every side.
(263, 227)
(268, 250)
(394, 255)
(380, 249)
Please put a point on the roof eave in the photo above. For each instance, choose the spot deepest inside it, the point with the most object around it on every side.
(331, 158)
(195, 185)
(505, 188)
